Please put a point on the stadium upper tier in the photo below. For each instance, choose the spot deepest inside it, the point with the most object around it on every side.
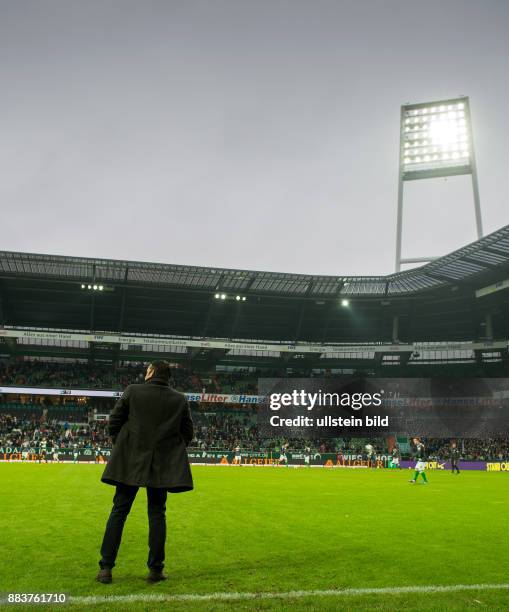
(433, 302)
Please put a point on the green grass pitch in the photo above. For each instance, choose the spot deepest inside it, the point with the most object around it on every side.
(264, 530)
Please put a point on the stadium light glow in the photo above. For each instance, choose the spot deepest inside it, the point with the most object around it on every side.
(224, 296)
(436, 140)
(345, 303)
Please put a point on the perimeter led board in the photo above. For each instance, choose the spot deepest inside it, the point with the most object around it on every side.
(436, 139)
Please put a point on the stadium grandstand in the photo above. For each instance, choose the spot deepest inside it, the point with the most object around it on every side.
(453, 309)
(75, 331)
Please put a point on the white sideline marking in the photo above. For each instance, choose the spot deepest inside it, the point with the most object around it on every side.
(242, 596)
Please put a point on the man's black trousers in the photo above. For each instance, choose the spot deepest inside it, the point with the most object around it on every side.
(122, 502)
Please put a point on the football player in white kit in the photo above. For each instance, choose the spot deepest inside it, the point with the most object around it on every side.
(238, 457)
(42, 451)
(371, 455)
(24, 451)
(282, 455)
(307, 456)
(395, 457)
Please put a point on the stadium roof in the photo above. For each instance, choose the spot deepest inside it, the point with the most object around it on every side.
(465, 263)
(45, 290)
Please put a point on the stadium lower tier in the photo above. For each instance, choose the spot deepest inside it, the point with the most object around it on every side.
(248, 459)
(218, 436)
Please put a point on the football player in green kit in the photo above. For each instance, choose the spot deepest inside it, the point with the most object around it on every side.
(420, 466)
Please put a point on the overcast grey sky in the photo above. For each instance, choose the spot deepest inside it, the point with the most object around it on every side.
(256, 134)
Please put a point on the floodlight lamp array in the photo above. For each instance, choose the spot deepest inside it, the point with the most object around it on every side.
(436, 137)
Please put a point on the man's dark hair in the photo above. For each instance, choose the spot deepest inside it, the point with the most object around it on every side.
(162, 369)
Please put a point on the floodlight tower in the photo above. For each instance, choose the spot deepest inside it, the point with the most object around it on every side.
(435, 140)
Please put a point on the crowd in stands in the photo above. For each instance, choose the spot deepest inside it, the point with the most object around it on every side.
(472, 449)
(17, 431)
(85, 375)
(226, 430)
(218, 431)
(217, 427)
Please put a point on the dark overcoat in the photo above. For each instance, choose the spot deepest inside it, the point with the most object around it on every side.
(151, 427)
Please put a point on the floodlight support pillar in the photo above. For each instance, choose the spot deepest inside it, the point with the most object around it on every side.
(475, 189)
(399, 224)
(412, 260)
(477, 205)
(401, 183)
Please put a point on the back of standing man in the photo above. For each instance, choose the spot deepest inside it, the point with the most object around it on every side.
(151, 428)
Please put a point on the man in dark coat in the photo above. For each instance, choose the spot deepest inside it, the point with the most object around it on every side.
(151, 427)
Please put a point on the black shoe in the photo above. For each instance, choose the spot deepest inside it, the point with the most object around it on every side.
(156, 576)
(104, 576)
